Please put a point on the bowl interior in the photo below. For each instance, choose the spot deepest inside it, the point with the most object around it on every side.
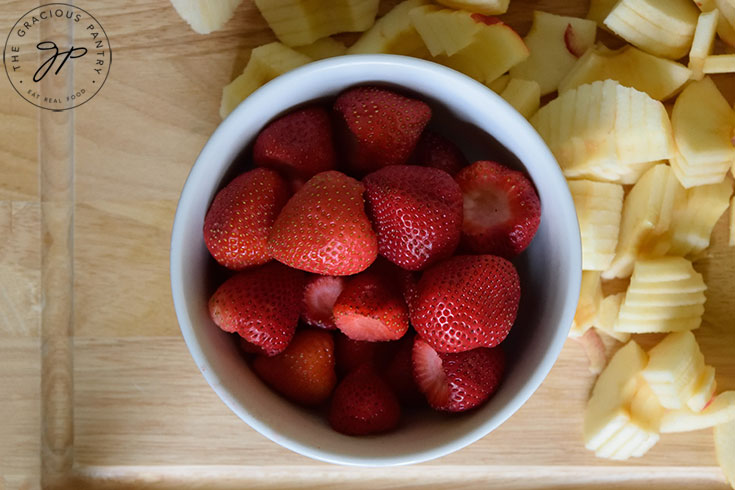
(550, 268)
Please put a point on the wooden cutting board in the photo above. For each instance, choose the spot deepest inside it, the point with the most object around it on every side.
(98, 389)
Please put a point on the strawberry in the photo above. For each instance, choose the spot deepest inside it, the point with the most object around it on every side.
(434, 150)
(416, 212)
(501, 209)
(320, 294)
(363, 404)
(261, 304)
(377, 127)
(371, 307)
(398, 372)
(466, 302)
(323, 228)
(240, 218)
(408, 282)
(304, 372)
(351, 354)
(298, 144)
(457, 382)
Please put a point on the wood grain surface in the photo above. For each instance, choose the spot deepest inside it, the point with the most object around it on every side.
(98, 389)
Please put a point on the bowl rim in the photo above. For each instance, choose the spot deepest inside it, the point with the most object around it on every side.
(421, 67)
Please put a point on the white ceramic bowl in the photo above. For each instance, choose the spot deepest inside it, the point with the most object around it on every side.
(550, 269)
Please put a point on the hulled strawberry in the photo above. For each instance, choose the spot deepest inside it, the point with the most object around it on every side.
(299, 144)
(323, 228)
(320, 294)
(363, 404)
(460, 381)
(377, 127)
(241, 216)
(261, 304)
(304, 371)
(466, 302)
(372, 307)
(434, 150)
(416, 212)
(501, 209)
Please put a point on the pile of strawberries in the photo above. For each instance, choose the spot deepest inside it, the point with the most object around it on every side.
(372, 261)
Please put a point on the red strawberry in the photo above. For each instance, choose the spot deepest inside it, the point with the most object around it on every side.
(378, 127)
(398, 373)
(363, 404)
(434, 150)
(457, 382)
(416, 212)
(261, 304)
(298, 144)
(371, 307)
(323, 228)
(320, 294)
(466, 302)
(351, 354)
(501, 209)
(240, 218)
(304, 372)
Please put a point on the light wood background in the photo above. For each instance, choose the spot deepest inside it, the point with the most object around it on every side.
(97, 388)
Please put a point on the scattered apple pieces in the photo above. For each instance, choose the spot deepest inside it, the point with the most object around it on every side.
(665, 295)
(205, 16)
(555, 42)
(704, 37)
(720, 411)
(523, 95)
(393, 33)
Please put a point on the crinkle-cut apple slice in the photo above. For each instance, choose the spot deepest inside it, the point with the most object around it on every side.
(703, 123)
(655, 37)
(599, 10)
(301, 22)
(718, 63)
(607, 418)
(444, 31)
(323, 48)
(393, 33)
(555, 42)
(205, 16)
(720, 411)
(266, 63)
(487, 7)
(608, 314)
(647, 310)
(725, 449)
(704, 37)
(495, 49)
(647, 212)
(659, 77)
(523, 95)
(704, 390)
(694, 175)
(590, 296)
(599, 208)
(499, 84)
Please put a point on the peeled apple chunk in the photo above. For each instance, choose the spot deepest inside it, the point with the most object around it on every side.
(266, 63)
(661, 27)
(659, 77)
(301, 22)
(724, 29)
(725, 449)
(325, 47)
(720, 411)
(647, 214)
(487, 7)
(704, 37)
(393, 33)
(523, 95)
(205, 16)
(590, 295)
(608, 314)
(664, 295)
(597, 131)
(555, 43)
(599, 208)
(704, 390)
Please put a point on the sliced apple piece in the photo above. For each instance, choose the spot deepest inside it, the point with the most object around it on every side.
(487, 7)
(301, 22)
(393, 33)
(594, 348)
(555, 43)
(590, 295)
(724, 29)
(699, 174)
(444, 31)
(725, 449)
(499, 84)
(599, 208)
(704, 37)
(205, 16)
(635, 171)
(719, 63)
(660, 301)
(704, 390)
(720, 411)
(325, 47)
(608, 314)
(266, 63)
(523, 95)
(727, 13)
(660, 78)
